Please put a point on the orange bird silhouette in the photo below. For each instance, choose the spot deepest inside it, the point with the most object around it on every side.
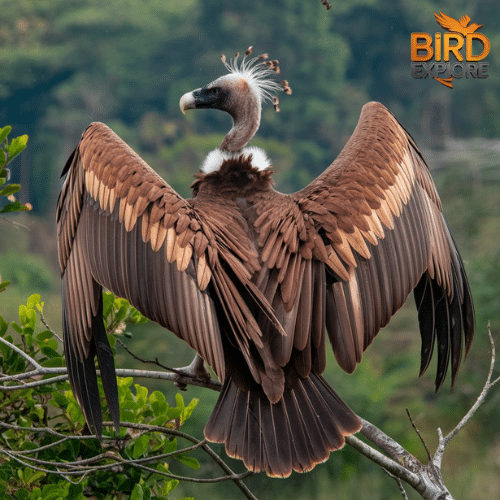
(460, 26)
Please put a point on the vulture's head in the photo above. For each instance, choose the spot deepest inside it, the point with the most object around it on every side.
(241, 93)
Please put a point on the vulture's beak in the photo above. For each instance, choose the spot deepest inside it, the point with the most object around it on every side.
(187, 101)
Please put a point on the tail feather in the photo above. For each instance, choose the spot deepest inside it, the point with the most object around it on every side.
(296, 433)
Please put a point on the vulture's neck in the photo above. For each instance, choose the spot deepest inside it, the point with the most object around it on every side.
(244, 106)
(246, 121)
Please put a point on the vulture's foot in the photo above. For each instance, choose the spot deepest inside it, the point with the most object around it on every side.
(195, 370)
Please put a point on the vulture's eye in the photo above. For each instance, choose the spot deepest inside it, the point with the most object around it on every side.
(214, 91)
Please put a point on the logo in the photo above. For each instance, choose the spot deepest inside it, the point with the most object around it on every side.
(458, 53)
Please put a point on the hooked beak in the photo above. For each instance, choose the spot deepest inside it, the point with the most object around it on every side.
(187, 101)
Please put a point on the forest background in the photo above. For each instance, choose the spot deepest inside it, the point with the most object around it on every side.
(66, 63)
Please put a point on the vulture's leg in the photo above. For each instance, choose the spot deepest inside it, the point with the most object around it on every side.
(196, 369)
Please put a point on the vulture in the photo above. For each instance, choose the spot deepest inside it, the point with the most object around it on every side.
(255, 280)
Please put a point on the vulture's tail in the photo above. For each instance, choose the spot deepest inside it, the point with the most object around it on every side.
(296, 433)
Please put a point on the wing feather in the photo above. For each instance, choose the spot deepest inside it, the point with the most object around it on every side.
(122, 227)
(377, 212)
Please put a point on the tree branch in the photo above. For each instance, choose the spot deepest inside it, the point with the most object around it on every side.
(393, 458)
(84, 467)
(425, 479)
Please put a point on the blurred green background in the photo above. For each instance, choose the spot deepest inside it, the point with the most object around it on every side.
(66, 63)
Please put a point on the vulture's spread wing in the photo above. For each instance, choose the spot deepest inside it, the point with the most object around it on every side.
(382, 234)
(123, 227)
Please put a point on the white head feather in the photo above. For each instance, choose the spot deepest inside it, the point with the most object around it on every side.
(256, 72)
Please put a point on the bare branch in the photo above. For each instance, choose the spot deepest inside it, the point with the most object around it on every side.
(39, 371)
(21, 353)
(415, 428)
(42, 318)
(444, 441)
(395, 468)
(402, 465)
(399, 483)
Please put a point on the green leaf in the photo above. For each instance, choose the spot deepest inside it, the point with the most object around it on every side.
(137, 493)
(16, 146)
(107, 303)
(23, 314)
(42, 336)
(3, 173)
(173, 413)
(4, 285)
(10, 189)
(49, 352)
(52, 343)
(160, 420)
(180, 401)
(112, 340)
(54, 492)
(170, 445)
(3, 326)
(36, 476)
(76, 492)
(136, 318)
(123, 307)
(39, 412)
(147, 492)
(141, 394)
(36, 493)
(141, 445)
(74, 412)
(4, 132)
(16, 327)
(59, 398)
(53, 362)
(170, 485)
(13, 207)
(33, 300)
(189, 409)
(22, 494)
(189, 461)
(30, 319)
(158, 403)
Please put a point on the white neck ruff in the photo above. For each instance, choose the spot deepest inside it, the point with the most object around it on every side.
(216, 158)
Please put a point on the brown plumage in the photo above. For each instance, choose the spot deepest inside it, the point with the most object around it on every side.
(252, 278)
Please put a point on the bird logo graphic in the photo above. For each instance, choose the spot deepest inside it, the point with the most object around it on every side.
(452, 54)
(451, 24)
(460, 26)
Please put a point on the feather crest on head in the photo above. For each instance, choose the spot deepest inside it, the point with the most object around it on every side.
(256, 72)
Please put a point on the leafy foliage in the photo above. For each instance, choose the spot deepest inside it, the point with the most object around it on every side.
(45, 449)
(8, 151)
